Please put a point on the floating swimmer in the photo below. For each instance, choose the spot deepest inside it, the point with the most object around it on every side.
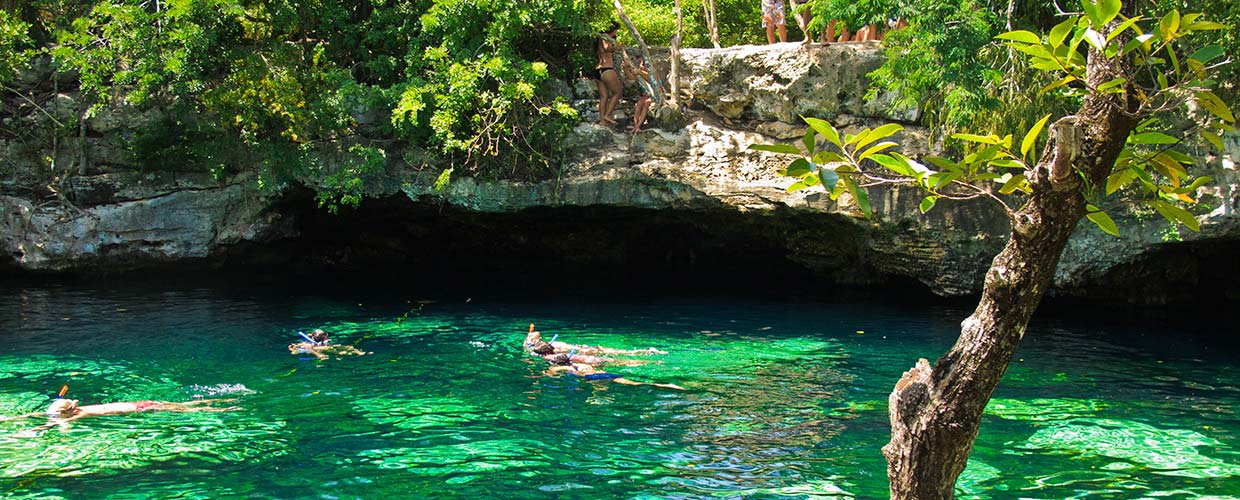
(62, 411)
(563, 364)
(317, 344)
(534, 343)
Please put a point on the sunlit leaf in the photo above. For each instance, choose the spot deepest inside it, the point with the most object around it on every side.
(882, 132)
(1151, 138)
(824, 129)
(1107, 10)
(927, 203)
(1169, 25)
(1021, 36)
(1014, 183)
(1127, 24)
(1058, 83)
(977, 138)
(875, 149)
(894, 164)
(1176, 214)
(1032, 136)
(1102, 220)
(859, 194)
(1215, 105)
(1060, 32)
(776, 148)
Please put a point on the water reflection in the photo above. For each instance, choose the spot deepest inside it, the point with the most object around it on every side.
(784, 401)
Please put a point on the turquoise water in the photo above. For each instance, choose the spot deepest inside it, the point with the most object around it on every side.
(785, 399)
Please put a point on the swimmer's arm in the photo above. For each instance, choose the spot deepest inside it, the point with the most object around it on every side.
(19, 417)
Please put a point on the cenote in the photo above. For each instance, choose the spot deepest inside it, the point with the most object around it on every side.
(786, 396)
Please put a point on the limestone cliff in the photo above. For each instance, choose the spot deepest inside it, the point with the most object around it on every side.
(694, 186)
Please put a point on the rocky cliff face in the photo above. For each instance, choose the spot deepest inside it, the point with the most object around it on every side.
(688, 195)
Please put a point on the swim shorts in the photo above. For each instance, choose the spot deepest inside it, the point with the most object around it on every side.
(602, 376)
(774, 10)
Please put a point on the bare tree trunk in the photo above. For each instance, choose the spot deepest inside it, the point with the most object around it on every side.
(936, 412)
(641, 44)
(711, 25)
(674, 77)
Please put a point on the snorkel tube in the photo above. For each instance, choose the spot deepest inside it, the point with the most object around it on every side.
(307, 337)
(63, 390)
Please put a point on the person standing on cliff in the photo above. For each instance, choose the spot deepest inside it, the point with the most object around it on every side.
(773, 19)
(609, 87)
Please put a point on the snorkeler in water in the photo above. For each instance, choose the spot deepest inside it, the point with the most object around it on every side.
(316, 344)
(563, 364)
(62, 411)
(535, 344)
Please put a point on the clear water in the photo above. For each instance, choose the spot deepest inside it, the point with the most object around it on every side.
(785, 399)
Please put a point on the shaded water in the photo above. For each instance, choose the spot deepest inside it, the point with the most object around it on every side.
(784, 400)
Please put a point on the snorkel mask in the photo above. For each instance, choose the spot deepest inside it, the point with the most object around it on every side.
(61, 407)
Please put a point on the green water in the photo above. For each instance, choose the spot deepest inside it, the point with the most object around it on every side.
(784, 400)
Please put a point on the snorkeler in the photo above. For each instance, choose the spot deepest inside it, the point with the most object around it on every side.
(535, 343)
(316, 344)
(63, 411)
(562, 363)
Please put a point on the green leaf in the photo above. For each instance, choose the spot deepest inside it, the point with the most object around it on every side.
(1102, 220)
(1151, 138)
(882, 132)
(1205, 26)
(829, 178)
(796, 186)
(1176, 214)
(1058, 83)
(1060, 32)
(1091, 11)
(874, 149)
(927, 203)
(991, 140)
(944, 163)
(858, 193)
(1127, 24)
(808, 141)
(1197, 183)
(829, 157)
(1215, 105)
(776, 148)
(1107, 10)
(1016, 182)
(1213, 139)
(1032, 136)
(1169, 25)
(825, 129)
(1021, 36)
(1118, 180)
(1207, 53)
(1112, 84)
(799, 167)
(898, 165)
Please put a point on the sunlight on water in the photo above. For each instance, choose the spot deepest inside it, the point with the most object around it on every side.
(782, 401)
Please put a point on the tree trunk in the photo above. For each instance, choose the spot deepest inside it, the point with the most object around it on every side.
(711, 25)
(935, 412)
(641, 44)
(674, 77)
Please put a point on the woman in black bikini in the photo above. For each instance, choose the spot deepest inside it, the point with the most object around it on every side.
(605, 71)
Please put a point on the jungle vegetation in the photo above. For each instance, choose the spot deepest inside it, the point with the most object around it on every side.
(279, 87)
